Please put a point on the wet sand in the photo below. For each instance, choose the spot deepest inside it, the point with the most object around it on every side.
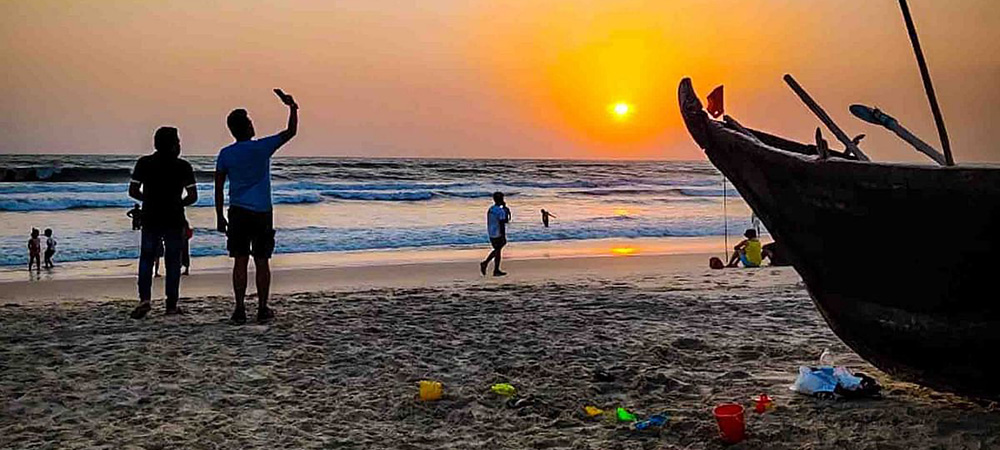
(339, 367)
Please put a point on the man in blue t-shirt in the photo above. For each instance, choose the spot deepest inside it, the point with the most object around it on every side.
(250, 229)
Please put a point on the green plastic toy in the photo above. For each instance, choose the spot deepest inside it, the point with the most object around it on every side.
(625, 416)
(504, 389)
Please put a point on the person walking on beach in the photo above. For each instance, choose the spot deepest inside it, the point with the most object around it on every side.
(748, 251)
(545, 217)
(165, 184)
(250, 228)
(497, 218)
(136, 215)
(50, 248)
(34, 250)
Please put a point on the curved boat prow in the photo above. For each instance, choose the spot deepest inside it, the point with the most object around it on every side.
(692, 111)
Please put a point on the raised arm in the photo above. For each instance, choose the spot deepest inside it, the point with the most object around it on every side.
(220, 200)
(293, 116)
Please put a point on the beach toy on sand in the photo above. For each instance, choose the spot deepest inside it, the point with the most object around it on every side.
(763, 403)
(430, 390)
(624, 415)
(732, 424)
(593, 411)
(657, 420)
(504, 389)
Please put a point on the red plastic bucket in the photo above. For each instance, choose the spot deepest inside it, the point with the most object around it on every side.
(732, 425)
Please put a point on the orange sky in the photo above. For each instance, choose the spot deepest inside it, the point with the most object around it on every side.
(512, 78)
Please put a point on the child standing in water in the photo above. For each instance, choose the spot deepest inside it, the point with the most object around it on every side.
(50, 248)
(136, 215)
(34, 250)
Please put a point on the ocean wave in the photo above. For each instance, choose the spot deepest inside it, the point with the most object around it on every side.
(381, 186)
(474, 194)
(380, 196)
(631, 192)
(561, 184)
(76, 174)
(622, 192)
(708, 192)
(75, 188)
(60, 203)
(48, 201)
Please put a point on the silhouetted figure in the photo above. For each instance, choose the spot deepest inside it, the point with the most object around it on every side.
(545, 217)
(136, 215)
(775, 253)
(34, 250)
(748, 251)
(165, 184)
(50, 248)
(250, 228)
(497, 218)
(186, 250)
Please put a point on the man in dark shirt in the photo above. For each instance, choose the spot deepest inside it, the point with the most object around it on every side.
(165, 184)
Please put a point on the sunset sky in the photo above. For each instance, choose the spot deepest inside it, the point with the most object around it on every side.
(485, 79)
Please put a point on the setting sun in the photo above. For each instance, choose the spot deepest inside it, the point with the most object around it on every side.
(621, 109)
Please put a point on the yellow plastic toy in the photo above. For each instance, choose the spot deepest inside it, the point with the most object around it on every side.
(430, 390)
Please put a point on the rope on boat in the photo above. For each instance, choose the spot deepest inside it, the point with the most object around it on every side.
(725, 220)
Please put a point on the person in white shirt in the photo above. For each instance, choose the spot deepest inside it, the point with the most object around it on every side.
(497, 218)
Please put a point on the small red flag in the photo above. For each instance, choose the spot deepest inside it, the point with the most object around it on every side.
(715, 104)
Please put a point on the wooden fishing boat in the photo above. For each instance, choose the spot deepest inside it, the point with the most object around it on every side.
(898, 258)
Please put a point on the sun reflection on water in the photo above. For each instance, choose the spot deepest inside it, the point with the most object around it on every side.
(624, 251)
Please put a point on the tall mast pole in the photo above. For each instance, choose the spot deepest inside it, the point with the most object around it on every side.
(927, 83)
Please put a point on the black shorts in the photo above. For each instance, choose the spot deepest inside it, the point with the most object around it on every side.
(499, 242)
(250, 233)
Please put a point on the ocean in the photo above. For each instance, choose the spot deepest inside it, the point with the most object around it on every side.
(351, 204)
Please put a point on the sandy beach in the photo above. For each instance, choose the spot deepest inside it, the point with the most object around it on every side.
(340, 366)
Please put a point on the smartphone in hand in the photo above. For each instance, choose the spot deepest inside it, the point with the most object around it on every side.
(285, 98)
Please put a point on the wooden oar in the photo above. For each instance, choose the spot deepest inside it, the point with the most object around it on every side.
(877, 117)
(850, 145)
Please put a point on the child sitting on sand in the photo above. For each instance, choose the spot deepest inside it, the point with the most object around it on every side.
(50, 248)
(34, 250)
(748, 251)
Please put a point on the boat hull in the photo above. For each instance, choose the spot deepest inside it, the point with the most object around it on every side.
(899, 259)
